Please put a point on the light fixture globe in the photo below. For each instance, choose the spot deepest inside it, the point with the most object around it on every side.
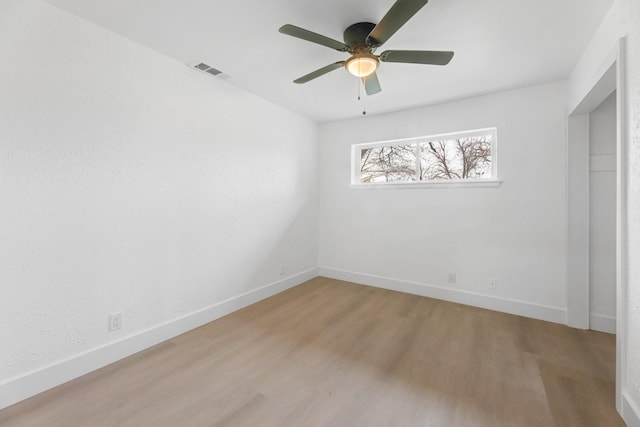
(362, 65)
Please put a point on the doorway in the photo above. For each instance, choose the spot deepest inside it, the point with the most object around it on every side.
(602, 216)
(579, 253)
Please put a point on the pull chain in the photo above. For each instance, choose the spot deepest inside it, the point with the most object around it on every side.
(364, 107)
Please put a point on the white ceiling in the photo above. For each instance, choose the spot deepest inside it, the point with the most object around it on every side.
(498, 44)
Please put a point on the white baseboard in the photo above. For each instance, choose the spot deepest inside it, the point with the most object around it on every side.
(630, 411)
(599, 322)
(520, 308)
(36, 382)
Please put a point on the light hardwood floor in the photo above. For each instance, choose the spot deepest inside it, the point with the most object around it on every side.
(331, 353)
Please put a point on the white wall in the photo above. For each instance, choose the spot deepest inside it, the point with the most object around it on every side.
(633, 200)
(129, 182)
(410, 239)
(622, 21)
(602, 216)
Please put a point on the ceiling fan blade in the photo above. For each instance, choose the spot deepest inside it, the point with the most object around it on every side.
(319, 72)
(432, 57)
(396, 17)
(301, 33)
(371, 84)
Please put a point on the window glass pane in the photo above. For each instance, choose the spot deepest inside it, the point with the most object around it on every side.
(460, 158)
(393, 163)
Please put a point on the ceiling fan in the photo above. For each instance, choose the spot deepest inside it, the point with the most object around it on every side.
(363, 38)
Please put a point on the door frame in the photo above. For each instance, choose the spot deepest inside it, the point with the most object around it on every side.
(612, 78)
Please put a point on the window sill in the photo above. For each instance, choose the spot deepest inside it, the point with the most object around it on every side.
(434, 184)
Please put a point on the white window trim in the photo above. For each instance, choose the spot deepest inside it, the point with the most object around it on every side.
(457, 183)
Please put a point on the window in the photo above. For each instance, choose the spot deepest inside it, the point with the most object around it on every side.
(461, 157)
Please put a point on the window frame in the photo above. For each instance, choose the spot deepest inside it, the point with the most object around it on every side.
(356, 150)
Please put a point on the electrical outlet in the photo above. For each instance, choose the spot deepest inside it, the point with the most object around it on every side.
(115, 322)
(493, 285)
(282, 270)
(452, 278)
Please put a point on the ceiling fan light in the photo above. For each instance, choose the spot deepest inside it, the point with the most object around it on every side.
(362, 65)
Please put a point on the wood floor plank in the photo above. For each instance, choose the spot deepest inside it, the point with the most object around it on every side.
(332, 353)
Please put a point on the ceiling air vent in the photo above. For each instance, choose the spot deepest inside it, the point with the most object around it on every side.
(214, 71)
(210, 70)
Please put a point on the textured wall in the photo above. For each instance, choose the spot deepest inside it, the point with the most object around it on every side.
(633, 323)
(131, 183)
(515, 234)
